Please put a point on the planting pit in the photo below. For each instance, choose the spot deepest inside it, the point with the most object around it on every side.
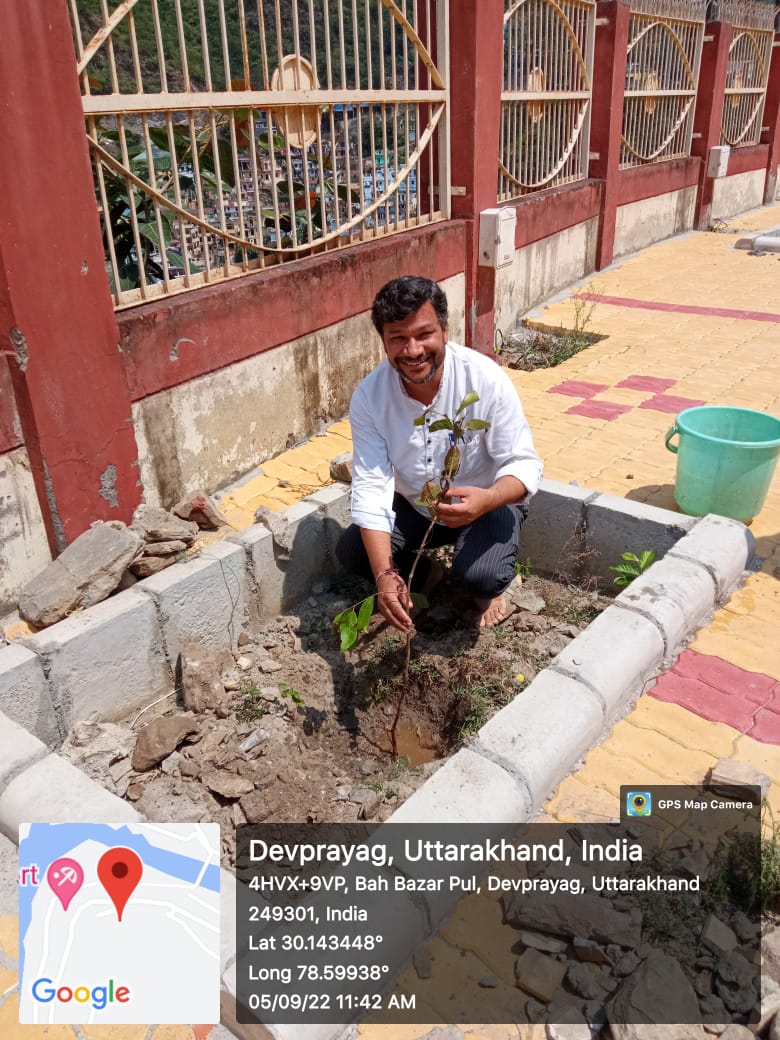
(300, 732)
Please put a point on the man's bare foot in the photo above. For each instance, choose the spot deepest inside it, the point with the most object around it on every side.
(492, 612)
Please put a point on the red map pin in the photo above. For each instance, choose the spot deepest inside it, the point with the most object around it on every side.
(120, 870)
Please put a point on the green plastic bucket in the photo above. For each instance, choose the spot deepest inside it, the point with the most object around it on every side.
(725, 460)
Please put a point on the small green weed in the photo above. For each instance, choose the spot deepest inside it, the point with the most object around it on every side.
(481, 698)
(747, 873)
(251, 707)
(523, 568)
(632, 566)
(287, 691)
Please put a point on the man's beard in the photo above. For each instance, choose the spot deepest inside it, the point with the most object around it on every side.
(435, 366)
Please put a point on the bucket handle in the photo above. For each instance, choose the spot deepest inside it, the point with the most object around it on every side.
(674, 430)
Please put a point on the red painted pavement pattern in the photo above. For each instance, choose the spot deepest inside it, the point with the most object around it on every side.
(670, 403)
(721, 692)
(683, 308)
(652, 384)
(578, 388)
(599, 410)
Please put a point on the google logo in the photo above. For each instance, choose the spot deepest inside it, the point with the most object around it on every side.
(44, 992)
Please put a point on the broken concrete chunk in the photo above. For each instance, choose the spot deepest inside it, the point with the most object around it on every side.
(159, 738)
(586, 916)
(200, 510)
(279, 527)
(728, 773)
(158, 525)
(658, 986)
(227, 784)
(717, 936)
(538, 974)
(201, 679)
(341, 468)
(164, 548)
(146, 566)
(85, 573)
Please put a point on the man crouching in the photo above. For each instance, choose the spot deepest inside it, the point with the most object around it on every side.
(393, 458)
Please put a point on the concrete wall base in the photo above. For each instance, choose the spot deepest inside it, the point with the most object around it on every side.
(639, 224)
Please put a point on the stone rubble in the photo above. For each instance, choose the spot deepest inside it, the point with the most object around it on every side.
(85, 573)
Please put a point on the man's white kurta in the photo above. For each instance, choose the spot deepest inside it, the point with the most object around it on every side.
(391, 454)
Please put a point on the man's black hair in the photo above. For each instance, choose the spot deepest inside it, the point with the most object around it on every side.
(401, 297)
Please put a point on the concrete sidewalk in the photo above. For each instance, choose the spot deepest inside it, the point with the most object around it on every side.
(686, 322)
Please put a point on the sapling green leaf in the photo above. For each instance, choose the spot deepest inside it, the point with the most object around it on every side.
(471, 398)
(441, 424)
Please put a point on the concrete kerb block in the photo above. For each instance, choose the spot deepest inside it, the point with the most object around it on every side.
(468, 788)
(553, 535)
(539, 735)
(676, 594)
(24, 693)
(203, 599)
(285, 572)
(615, 656)
(18, 750)
(108, 659)
(617, 525)
(54, 791)
(334, 503)
(721, 545)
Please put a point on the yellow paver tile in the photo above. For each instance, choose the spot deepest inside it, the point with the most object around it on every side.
(285, 496)
(304, 457)
(574, 802)
(765, 757)
(11, 1029)
(281, 470)
(476, 925)
(383, 1031)
(8, 979)
(744, 641)
(494, 1032)
(18, 630)
(683, 727)
(662, 754)
(609, 772)
(132, 1032)
(454, 982)
(169, 1032)
(9, 936)
(342, 428)
(270, 503)
(255, 486)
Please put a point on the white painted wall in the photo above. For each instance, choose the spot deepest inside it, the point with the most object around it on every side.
(24, 549)
(639, 224)
(542, 268)
(209, 431)
(735, 194)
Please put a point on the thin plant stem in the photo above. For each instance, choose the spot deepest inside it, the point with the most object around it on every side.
(402, 696)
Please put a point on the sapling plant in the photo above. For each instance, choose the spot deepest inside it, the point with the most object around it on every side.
(355, 619)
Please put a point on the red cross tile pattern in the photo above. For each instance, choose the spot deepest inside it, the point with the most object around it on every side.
(650, 383)
(599, 410)
(609, 410)
(721, 692)
(669, 403)
(578, 388)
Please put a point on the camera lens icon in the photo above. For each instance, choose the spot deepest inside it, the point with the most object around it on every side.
(639, 803)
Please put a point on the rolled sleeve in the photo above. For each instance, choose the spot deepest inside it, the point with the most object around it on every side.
(510, 442)
(373, 482)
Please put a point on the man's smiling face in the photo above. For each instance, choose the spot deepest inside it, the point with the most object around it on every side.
(415, 346)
